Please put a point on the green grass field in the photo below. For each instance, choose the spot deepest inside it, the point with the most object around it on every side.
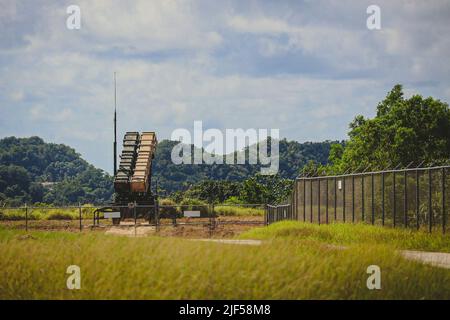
(48, 213)
(353, 234)
(295, 262)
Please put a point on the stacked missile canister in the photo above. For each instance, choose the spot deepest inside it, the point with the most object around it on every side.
(140, 179)
(127, 162)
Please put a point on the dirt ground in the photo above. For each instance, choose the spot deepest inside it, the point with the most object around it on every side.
(220, 227)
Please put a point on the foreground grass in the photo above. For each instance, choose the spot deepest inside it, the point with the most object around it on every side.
(350, 234)
(34, 267)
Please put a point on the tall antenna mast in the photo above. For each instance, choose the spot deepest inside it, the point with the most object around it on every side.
(115, 126)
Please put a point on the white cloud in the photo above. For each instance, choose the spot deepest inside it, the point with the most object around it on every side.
(259, 25)
(180, 61)
(17, 95)
(43, 113)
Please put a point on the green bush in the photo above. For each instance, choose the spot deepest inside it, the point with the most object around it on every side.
(233, 200)
(12, 214)
(168, 212)
(238, 211)
(195, 205)
(59, 215)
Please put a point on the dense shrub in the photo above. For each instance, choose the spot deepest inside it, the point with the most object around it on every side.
(168, 212)
(195, 205)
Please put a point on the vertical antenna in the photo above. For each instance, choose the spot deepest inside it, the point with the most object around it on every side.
(115, 126)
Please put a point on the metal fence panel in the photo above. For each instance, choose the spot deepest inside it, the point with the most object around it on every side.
(415, 198)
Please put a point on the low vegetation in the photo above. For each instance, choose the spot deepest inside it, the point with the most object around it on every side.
(352, 234)
(238, 211)
(47, 213)
(168, 209)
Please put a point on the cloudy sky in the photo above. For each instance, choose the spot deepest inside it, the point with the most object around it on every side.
(305, 67)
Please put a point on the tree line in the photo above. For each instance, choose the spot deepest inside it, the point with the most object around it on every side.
(403, 132)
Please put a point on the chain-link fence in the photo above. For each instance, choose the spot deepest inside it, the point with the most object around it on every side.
(184, 220)
(410, 198)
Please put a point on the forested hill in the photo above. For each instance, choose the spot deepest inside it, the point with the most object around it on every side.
(293, 156)
(32, 170)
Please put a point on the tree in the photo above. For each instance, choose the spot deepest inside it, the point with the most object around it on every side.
(27, 162)
(266, 189)
(213, 191)
(403, 131)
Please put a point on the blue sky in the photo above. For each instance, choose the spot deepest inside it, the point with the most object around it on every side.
(305, 67)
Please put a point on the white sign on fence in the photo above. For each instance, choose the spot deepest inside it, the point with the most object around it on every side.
(191, 214)
(109, 215)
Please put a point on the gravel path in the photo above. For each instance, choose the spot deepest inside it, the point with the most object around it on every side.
(437, 259)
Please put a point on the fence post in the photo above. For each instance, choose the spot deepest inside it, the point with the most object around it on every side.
(353, 199)
(304, 200)
(265, 215)
(157, 215)
(294, 201)
(430, 208)
(79, 213)
(443, 201)
(135, 217)
(405, 200)
(174, 218)
(311, 204)
(26, 217)
(417, 201)
(363, 216)
(93, 219)
(212, 220)
(335, 199)
(318, 200)
(270, 213)
(326, 207)
(382, 199)
(343, 199)
(394, 212)
(372, 198)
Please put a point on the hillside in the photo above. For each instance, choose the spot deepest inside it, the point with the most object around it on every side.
(32, 170)
(293, 156)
